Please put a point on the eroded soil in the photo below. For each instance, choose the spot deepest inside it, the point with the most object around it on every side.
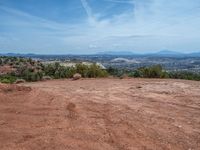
(101, 114)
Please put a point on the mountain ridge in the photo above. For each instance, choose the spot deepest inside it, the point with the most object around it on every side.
(115, 53)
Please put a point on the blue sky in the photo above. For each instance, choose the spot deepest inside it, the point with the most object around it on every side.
(90, 26)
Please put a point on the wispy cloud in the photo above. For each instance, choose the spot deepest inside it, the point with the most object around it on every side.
(27, 19)
(142, 26)
(87, 9)
(93, 18)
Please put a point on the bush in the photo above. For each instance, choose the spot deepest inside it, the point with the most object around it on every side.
(113, 71)
(185, 75)
(82, 69)
(90, 71)
(70, 72)
(135, 74)
(118, 72)
(7, 79)
(56, 71)
(29, 75)
(96, 71)
(151, 72)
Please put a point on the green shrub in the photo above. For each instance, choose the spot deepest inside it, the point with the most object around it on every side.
(7, 79)
(151, 72)
(135, 74)
(118, 72)
(55, 70)
(89, 71)
(185, 75)
(82, 69)
(29, 75)
(96, 71)
(70, 71)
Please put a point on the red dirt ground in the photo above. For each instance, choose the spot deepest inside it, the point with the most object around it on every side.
(101, 114)
(6, 69)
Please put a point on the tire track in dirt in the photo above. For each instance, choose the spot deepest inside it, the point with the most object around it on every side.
(101, 114)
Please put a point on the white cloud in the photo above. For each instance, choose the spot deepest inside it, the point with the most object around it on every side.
(151, 25)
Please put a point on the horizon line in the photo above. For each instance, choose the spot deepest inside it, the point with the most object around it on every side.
(105, 53)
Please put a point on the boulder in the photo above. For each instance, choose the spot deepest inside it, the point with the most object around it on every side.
(45, 78)
(77, 76)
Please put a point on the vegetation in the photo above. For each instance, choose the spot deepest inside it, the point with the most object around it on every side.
(185, 75)
(87, 71)
(155, 72)
(150, 72)
(31, 70)
(7, 79)
(117, 72)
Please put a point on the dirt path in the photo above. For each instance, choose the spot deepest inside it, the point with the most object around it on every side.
(101, 114)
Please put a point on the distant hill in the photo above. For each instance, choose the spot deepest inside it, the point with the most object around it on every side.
(197, 54)
(168, 53)
(116, 53)
(18, 54)
(163, 53)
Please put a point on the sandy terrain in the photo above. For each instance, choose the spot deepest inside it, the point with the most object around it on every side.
(101, 114)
